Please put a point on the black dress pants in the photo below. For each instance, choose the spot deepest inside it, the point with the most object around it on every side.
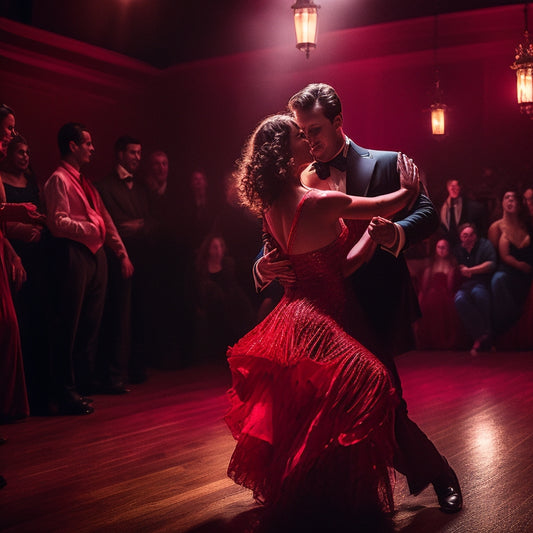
(77, 304)
(114, 350)
(416, 456)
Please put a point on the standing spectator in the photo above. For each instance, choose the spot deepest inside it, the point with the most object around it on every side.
(457, 209)
(171, 319)
(157, 177)
(477, 260)
(241, 231)
(80, 222)
(201, 211)
(28, 240)
(13, 397)
(224, 312)
(124, 345)
(512, 237)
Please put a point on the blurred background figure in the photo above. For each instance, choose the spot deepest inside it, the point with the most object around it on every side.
(512, 237)
(477, 260)
(170, 321)
(156, 179)
(241, 231)
(201, 210)
(458, 209)
(223, 312)
(439, 328)
(528, 201)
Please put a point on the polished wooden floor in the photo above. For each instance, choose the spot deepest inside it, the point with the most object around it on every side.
(155, 459)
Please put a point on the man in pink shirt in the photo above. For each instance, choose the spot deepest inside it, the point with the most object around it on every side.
(80, 225)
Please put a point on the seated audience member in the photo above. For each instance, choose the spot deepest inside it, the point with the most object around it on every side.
(458, 209)
(477, 260)
(439, 327)
(511, 236)
(224, 313)
(28, 241)
(81, 225)
(124, 348)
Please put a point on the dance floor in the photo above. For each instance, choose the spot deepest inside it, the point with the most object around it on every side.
(155, 460)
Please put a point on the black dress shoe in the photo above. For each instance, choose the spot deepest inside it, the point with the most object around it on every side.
(117, 388)
(449, 494)
(114, 388)
(75, 408)
(138, 378)
(106, 387)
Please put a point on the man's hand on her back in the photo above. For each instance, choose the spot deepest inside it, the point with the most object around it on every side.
(272, 267)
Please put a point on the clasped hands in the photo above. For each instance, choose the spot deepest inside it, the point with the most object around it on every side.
(24, 212)
(382, 230)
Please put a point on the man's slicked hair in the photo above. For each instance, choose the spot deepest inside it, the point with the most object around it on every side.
(123, 141)
(317, 94)
(71, 131)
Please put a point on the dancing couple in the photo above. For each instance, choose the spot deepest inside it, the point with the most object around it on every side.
(316, 401)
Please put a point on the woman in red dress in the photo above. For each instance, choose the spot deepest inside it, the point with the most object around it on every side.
(311, 408)
(440, 327)
(13, 399)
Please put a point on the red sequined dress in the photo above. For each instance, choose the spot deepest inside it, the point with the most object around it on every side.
(13, 399)
(311, 408)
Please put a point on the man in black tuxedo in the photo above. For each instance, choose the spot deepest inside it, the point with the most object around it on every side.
(383, 286)
(457, 210)
(123, 343)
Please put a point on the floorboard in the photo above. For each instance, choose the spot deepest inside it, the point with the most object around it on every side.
(155, 460)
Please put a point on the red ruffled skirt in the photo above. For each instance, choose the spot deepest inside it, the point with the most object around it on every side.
(312, 413)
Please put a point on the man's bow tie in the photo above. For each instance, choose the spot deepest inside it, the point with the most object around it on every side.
(127, 179)
(322, 169)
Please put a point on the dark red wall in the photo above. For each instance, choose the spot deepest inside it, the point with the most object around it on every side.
(202, 112)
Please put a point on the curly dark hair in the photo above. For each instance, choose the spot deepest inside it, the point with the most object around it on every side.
(266, 163)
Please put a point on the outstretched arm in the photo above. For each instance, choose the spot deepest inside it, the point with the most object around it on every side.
(385, 205)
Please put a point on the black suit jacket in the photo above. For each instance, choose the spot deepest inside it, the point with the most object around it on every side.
(383, 287)
(472, 211)
(125, 204)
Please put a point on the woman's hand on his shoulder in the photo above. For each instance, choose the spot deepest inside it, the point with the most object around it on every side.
(409, 176)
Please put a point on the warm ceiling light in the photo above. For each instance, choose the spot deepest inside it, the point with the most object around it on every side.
(305, 24)
(438, 114)
(524, 71)
(438, 109)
